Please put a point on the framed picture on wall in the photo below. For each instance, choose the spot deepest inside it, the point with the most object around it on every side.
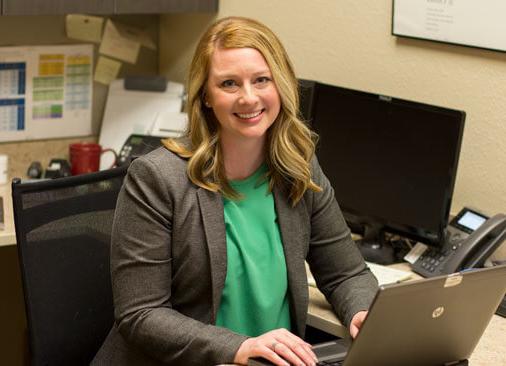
(479, 24)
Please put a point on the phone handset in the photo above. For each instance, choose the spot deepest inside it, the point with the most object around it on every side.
(479, 245)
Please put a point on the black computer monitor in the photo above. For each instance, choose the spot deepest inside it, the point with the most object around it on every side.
(392, 162)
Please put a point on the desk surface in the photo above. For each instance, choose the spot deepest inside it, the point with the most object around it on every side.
(8, 234)
(491, 349)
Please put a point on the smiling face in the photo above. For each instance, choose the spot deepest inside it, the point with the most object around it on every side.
(242, 94)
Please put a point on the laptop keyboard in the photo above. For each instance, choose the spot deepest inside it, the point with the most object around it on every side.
(330, 363)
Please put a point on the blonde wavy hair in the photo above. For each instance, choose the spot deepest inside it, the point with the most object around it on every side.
(290, 143)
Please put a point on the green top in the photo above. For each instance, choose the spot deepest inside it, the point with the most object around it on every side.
(255, 296)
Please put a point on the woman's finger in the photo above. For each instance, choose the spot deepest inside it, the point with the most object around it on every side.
(289, 354)
(300, 347)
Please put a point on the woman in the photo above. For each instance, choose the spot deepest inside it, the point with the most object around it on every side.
(212, 230)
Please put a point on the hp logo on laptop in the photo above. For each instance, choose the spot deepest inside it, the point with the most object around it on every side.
(438, 312)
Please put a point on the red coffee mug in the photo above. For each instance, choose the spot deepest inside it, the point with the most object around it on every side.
(85, 157)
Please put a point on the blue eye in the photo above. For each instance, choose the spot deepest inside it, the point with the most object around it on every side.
(228, 83)
(263, 79)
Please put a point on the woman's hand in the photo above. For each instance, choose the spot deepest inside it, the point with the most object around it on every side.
(356, 323)
(279, 346)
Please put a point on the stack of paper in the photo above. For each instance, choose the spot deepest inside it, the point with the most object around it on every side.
(384, 274)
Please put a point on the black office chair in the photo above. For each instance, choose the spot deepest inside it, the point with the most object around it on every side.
(63, 231)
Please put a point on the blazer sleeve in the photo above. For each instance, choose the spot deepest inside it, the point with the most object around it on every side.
(141, 267)
(335, 261)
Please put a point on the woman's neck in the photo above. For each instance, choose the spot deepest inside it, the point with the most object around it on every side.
(242, 159)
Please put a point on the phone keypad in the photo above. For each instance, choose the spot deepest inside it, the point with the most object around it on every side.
(433, 259)
(124, 154)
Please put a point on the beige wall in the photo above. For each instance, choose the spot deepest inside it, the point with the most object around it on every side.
(348, 43)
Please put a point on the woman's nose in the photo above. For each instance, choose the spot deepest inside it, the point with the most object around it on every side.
(248, 95)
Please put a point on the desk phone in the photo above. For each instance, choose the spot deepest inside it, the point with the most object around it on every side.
(471, 238)
(137, 145)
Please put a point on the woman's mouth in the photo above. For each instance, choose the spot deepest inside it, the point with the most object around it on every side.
(249, 115)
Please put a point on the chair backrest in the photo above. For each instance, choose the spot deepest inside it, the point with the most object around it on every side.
(63, 230)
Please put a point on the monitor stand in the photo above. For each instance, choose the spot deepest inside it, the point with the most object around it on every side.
(373, 246)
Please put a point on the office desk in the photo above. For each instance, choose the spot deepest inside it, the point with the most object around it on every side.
(8, 234)
(491, 349)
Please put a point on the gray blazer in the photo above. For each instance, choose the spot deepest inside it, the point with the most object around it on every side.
(169, 262)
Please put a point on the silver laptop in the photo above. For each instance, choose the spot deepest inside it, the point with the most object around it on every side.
(436, 321)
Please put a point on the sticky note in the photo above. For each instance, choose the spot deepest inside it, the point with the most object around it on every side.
(106, 70)
(114, 44)
(84, 27)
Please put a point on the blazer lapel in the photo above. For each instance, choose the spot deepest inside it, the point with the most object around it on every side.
(211, 209)
(295, 237)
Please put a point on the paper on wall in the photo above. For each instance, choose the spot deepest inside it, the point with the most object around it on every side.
(106, 70)
(136, 34)
(45, 91)
(84, 27)
(117, 46)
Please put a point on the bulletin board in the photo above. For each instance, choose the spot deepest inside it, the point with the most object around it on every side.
(472, 23)
(45, 92)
